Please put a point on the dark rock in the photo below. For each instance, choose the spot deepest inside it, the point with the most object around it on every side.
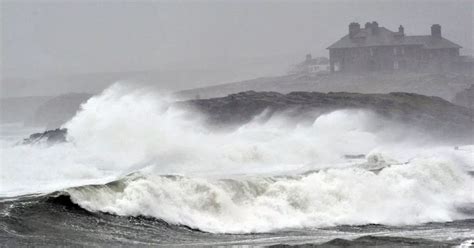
(433, 114)
(438, 116)
(50, 136)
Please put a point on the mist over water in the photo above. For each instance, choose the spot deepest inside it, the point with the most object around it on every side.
(264, 175)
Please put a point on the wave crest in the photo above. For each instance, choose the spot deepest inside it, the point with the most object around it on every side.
(419, 192)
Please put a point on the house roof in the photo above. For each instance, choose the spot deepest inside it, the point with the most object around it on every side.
(385, 37)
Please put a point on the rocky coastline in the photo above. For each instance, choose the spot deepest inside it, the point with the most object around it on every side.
(442, 118)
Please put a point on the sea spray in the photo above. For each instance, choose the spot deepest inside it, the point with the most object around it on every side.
(425, 190)
(266, 174)
(136, 128)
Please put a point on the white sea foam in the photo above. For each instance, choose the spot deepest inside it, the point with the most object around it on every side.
(424, 190)
(130, 129)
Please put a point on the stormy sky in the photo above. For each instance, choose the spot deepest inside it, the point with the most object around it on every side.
(43, 38)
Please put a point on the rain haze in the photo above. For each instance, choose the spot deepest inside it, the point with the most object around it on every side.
(190, 44)
(237, 123)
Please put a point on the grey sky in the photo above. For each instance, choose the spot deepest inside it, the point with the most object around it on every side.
(69, 37)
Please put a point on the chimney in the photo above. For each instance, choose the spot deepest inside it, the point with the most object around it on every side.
(367, 25)
(354, 28)
(401, 30)
(436, 30)
(374, 27)
(308, 57)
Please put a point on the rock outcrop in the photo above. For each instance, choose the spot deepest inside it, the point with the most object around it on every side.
(430, 113)
(440, 117)
(50, 137)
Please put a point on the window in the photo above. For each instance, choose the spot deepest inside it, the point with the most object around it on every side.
(371, 50)
(395, 50)
(396, 65)
(403, 50)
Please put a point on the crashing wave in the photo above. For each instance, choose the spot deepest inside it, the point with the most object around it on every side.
(419, 192)
(270, 173)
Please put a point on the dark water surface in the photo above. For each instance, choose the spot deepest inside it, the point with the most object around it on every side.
(53, 220)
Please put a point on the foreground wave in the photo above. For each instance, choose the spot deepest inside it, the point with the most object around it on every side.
(54, 219)
(405, 194)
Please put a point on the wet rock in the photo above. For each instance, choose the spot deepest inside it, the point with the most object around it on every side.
(50, 137)
(433, 114)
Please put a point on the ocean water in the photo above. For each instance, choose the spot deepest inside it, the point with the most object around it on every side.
(139, 171)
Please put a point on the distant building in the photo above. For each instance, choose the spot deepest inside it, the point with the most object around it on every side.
(311, 65)
(375, 48)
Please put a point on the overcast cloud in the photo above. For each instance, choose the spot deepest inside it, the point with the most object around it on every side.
(70, 37)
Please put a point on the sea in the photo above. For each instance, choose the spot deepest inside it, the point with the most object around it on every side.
(139, 171)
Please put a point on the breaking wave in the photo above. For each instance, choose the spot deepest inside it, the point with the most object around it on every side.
(422, 191)
(346, 167)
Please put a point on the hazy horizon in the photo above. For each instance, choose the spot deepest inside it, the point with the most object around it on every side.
(223, 41)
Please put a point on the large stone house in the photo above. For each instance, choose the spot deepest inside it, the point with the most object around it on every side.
(375, 48)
